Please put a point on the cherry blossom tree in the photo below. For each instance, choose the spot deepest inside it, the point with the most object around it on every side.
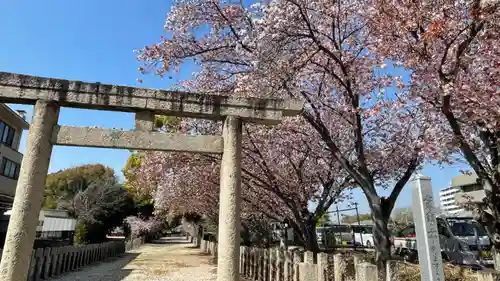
(361, 112)
(451, 49)
(286, 166)
(139, 226)
(284, 170)
(180, 183)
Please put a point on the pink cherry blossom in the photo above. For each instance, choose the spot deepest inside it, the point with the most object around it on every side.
(138, 226)
(452, 51)
(282, 173)
(361, 121)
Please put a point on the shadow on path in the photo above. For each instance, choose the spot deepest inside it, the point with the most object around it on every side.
(169, 258)
(172, 240)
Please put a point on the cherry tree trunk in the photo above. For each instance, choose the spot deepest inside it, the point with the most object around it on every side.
(381, 238)
(492, 226)
(310, 238)
(488, 214)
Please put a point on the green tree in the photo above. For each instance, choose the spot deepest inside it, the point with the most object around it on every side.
(80, 234)
(167, 123)
(131, 185)
(142, 200)
(65, 184)
(323, 219)
(92, 195)
(402, 216)
(102, 207)
(354, 218)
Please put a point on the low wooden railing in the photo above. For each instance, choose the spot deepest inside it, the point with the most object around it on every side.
(54, 261)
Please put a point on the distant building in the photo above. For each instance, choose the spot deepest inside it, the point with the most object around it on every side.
(471, 190)
(447, 200)
(54, 228)
(54, 224)
(12, 125)
(363, 222)
(463, 189)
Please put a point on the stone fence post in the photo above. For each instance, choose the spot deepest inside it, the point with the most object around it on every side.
(337, 266)
(242, 260)
(277, 265)
(366, 272)
(251, 262)
(485, 276)
(322, 267)
(266, 264)
(202, 246)
(287, 266)
(262, 264)
(272, 264)
(256, 264)
(213, 249)
(307, 269)
(296, 261)
(390, 272)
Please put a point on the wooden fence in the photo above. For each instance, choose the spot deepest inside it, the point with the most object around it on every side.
(52, 262)
(276, 265)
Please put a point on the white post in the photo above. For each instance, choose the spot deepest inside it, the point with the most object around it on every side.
(429, 249)
(229, 206)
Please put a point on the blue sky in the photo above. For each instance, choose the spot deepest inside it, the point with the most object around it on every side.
(93, 41)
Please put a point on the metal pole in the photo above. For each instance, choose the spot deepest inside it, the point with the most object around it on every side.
(338, 221)
(359, 223)
(338, 214)
(325, 238)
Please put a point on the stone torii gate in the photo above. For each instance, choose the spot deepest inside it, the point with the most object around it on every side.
(49, 94)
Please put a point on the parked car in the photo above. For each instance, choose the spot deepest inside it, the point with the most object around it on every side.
(474, 235)
(453, 249)
(345, 235)
(363, 234)
(471, 232)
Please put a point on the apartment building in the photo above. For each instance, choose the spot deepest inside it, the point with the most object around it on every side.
(447, 200)
(463, 190)
(12, 124)
(471, 190)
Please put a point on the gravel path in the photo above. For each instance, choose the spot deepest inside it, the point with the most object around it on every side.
(167, 260)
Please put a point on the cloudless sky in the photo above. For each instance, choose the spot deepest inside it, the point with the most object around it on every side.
(93, 41)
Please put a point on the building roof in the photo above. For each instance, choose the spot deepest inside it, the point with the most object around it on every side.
(47, 213)
(58, 224)
(14, 116)
(463, 180)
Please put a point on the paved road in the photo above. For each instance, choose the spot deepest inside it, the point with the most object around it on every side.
(169, 259)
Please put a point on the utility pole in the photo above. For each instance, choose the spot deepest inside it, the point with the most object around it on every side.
(359, 223)
(338, 214)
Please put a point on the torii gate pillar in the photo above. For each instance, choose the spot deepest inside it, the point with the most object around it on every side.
(228, 251)
(29, 193)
